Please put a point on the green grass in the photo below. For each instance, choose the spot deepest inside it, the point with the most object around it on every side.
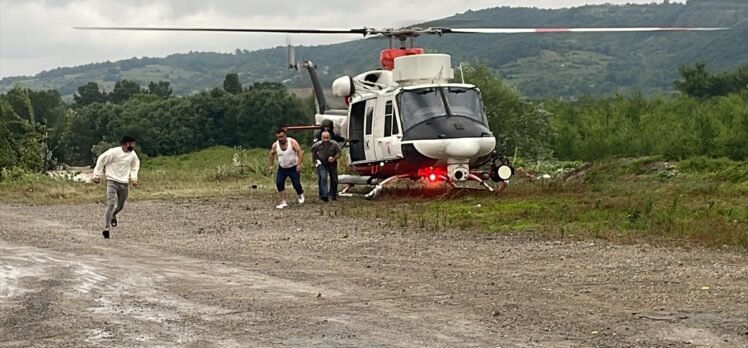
(622, 201)
(696, 202)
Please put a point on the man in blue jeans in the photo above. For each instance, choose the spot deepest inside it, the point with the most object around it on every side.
(325, 154)
(289, 155)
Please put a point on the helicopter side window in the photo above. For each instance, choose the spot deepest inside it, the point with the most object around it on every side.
(369, 117)
(395, 128)
(388, 128)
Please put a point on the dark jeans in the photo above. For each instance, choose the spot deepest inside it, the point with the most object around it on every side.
(322, 173)
(283, 173)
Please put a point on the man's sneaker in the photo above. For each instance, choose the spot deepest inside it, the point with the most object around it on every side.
(106, 234)
(282, 205)
(324, 199)
(301, 198)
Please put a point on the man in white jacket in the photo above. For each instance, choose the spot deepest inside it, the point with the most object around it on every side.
(120, 165)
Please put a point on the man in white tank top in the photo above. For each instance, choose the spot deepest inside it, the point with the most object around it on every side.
(290, 157)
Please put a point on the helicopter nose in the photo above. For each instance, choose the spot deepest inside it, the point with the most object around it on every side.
(463, 149)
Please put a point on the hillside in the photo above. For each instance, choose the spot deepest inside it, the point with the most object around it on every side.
(549, 65)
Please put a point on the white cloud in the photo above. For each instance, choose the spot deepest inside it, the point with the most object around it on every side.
(37, 35)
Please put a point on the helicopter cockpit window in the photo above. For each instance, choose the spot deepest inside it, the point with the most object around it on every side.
(466, 102)
(421, 105)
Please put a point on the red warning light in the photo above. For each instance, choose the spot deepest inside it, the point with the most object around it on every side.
(432, 174)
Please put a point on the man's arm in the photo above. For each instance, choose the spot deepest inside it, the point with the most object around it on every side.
(101, 163)
(338, 153)
(299, 154)
(134, 168)
(339, 138)
(314, 153)
(271, 157)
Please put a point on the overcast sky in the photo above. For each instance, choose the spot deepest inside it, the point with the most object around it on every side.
(37, 35)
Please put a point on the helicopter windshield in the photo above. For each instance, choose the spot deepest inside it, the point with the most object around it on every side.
(420, 105)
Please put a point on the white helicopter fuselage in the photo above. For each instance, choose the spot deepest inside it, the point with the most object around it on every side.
(412, 120)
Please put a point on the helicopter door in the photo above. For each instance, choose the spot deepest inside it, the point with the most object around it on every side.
(356, 132)
(389, 143)
(369, 146)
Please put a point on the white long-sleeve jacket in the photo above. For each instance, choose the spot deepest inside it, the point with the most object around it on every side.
(118, 165)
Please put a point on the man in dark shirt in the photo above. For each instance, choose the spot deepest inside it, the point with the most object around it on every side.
(327, 126)
(325, 154)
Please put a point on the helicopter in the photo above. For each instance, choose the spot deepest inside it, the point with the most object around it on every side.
(409, 120)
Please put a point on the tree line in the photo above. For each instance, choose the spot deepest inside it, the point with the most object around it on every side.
(39, 131)
(709, 117)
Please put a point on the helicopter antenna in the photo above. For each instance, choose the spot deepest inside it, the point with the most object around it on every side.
(439, 75)
(291, 55)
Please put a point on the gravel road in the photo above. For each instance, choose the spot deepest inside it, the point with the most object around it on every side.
(237, 273)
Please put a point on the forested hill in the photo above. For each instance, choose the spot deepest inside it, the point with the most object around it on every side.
(547, 65)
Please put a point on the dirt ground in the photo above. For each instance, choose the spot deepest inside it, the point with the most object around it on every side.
(238, 273)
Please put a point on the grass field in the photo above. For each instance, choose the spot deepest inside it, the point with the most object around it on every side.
(696, 202)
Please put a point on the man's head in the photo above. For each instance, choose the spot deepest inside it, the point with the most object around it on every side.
(280, 135)
(325, 137)
(327, 125)
(128, 143)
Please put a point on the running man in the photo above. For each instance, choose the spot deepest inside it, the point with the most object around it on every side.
(120, 165)
(290, 157)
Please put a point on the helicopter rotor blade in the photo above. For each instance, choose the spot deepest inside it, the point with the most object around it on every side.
(568, 30)
(410, 32)
(361, 31)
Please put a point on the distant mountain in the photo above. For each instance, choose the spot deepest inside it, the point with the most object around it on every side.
(540, 65)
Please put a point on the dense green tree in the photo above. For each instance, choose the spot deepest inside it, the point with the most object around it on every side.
(697, 82)
(123, 90)
(20, 101)
(160, 89)
(86, 128)
(231, 84)
(89, 93)
(21, 146)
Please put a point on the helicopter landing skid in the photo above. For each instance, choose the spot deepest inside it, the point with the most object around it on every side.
(373, 193)
(500, 187)
(481, 181)
(346, 192)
